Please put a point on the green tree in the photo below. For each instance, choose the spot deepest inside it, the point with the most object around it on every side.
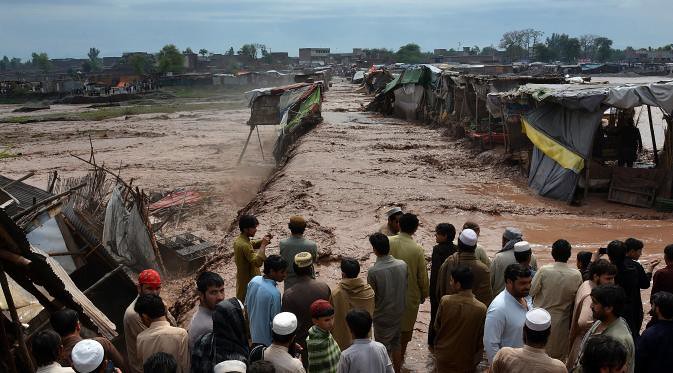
(230, 52)
(41, 60)
(4, 63)
(588, 46)
(248, 51)
(140, 63)
(603, 49)
(410, 53)
(86, 66)
(203, 52)
(188, 51)
(170, 59)
(564, 48)
(542, 53)
(14, 63)
(488, 51)
(95, 62)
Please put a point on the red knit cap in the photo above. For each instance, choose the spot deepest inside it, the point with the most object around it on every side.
(149, 277)
(321, 308)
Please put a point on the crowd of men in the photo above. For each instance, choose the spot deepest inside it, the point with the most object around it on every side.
(503, 310)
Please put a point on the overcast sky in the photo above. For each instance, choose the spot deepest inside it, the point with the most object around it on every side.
(67, 28)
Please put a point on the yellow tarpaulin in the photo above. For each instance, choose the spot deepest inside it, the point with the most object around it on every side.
(552, 149)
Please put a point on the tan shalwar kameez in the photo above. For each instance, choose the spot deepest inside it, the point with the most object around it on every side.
(582, 319)
(526, 359)
(554, 288)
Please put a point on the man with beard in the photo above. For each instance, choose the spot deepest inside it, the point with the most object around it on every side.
(149, 282)
(506, 315)
(210, 287)
(601, 272)
(227, 341)
(606, 304)
(392, 226)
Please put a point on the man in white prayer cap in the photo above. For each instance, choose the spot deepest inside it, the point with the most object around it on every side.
(280, 353)
(532, 357)
(467, 244)
(392, 226)
(230, 366)
(523, 255)
(88, 356)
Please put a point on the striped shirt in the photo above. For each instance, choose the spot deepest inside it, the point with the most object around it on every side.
(323, 351)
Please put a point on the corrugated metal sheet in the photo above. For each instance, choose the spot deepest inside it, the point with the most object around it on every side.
(105, 327)
(22, 192)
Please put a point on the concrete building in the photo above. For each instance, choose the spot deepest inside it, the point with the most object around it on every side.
(314, 56)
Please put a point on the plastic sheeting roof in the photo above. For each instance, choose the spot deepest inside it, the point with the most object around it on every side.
(590, 97)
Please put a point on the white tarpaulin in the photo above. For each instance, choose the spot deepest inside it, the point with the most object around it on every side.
(125, 235)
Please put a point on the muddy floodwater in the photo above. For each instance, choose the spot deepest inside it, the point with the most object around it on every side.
(341, 177)
(347, 172)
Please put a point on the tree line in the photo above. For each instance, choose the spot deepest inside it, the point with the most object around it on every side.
(517, 45)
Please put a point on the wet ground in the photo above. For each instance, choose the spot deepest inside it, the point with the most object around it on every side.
(342, 177)
(347, 172)
(195, 150)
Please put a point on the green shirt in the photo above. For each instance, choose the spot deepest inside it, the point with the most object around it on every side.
(404, 247)
(247, 261)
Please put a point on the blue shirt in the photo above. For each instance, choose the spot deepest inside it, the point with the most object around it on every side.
(504, 323)
(263, 304)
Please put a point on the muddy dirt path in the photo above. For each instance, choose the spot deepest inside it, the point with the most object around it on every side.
(347, 172)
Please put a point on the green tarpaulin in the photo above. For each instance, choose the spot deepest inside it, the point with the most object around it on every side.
(304, 108)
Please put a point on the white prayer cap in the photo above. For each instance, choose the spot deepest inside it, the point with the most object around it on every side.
(284, 323)
(393, 211)
(87, 355)
(538, 319)
(521, 247)
(230, 366)
(468, 237)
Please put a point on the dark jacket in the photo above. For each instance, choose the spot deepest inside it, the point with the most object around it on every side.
(655, 348)
(631, 277)
(228, 341)
(439, 254)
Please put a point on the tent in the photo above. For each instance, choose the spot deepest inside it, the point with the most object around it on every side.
(295, 108)
(562, 124)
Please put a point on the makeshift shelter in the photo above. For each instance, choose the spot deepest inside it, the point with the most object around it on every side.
(39, 285)
(295, 108)
(376, 79)
(406, 95)
(564, 124)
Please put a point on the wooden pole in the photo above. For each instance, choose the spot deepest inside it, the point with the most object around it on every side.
(45, 202)
(654, 142)
(15, 317)
(31, 173)
(260, 142)
(240, 157)
(103, 279)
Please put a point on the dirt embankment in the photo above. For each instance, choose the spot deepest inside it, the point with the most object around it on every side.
(345, 174)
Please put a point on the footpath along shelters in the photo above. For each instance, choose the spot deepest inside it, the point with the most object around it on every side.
(575, 144)
(295, 108)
